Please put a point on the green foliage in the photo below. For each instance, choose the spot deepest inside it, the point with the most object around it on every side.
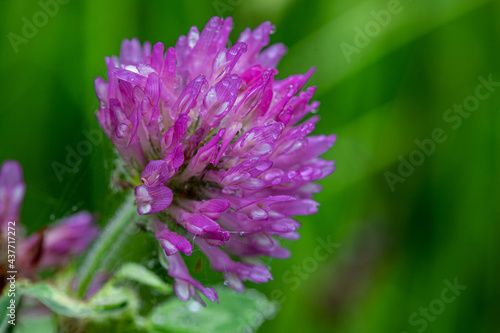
(237, 312)
(115, 309)
(38, 324)
(108, 301)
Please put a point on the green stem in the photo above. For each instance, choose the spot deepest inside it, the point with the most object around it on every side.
(112, 238)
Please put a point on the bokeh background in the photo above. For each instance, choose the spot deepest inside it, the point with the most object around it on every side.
(394, 247)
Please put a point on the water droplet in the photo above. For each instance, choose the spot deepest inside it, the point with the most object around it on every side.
(194, 307)
(226, 282)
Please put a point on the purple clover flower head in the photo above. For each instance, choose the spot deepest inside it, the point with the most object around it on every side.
(57, 244)
(219, 147)
(66, 239)
(12, 189)
(52, 246)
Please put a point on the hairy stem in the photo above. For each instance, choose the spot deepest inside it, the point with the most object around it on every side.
(112, 238)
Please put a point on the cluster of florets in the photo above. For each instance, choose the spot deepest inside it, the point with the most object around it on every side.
(212, 142)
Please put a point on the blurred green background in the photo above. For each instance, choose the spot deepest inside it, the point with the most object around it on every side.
(396, 247)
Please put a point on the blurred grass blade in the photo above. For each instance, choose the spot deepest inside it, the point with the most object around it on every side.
(416, 19)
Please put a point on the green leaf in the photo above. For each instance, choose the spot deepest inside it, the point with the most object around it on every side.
(38, 324)
(235, 313)
(62, 304)
(139, 273)
(126, 321)
(113, 298)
